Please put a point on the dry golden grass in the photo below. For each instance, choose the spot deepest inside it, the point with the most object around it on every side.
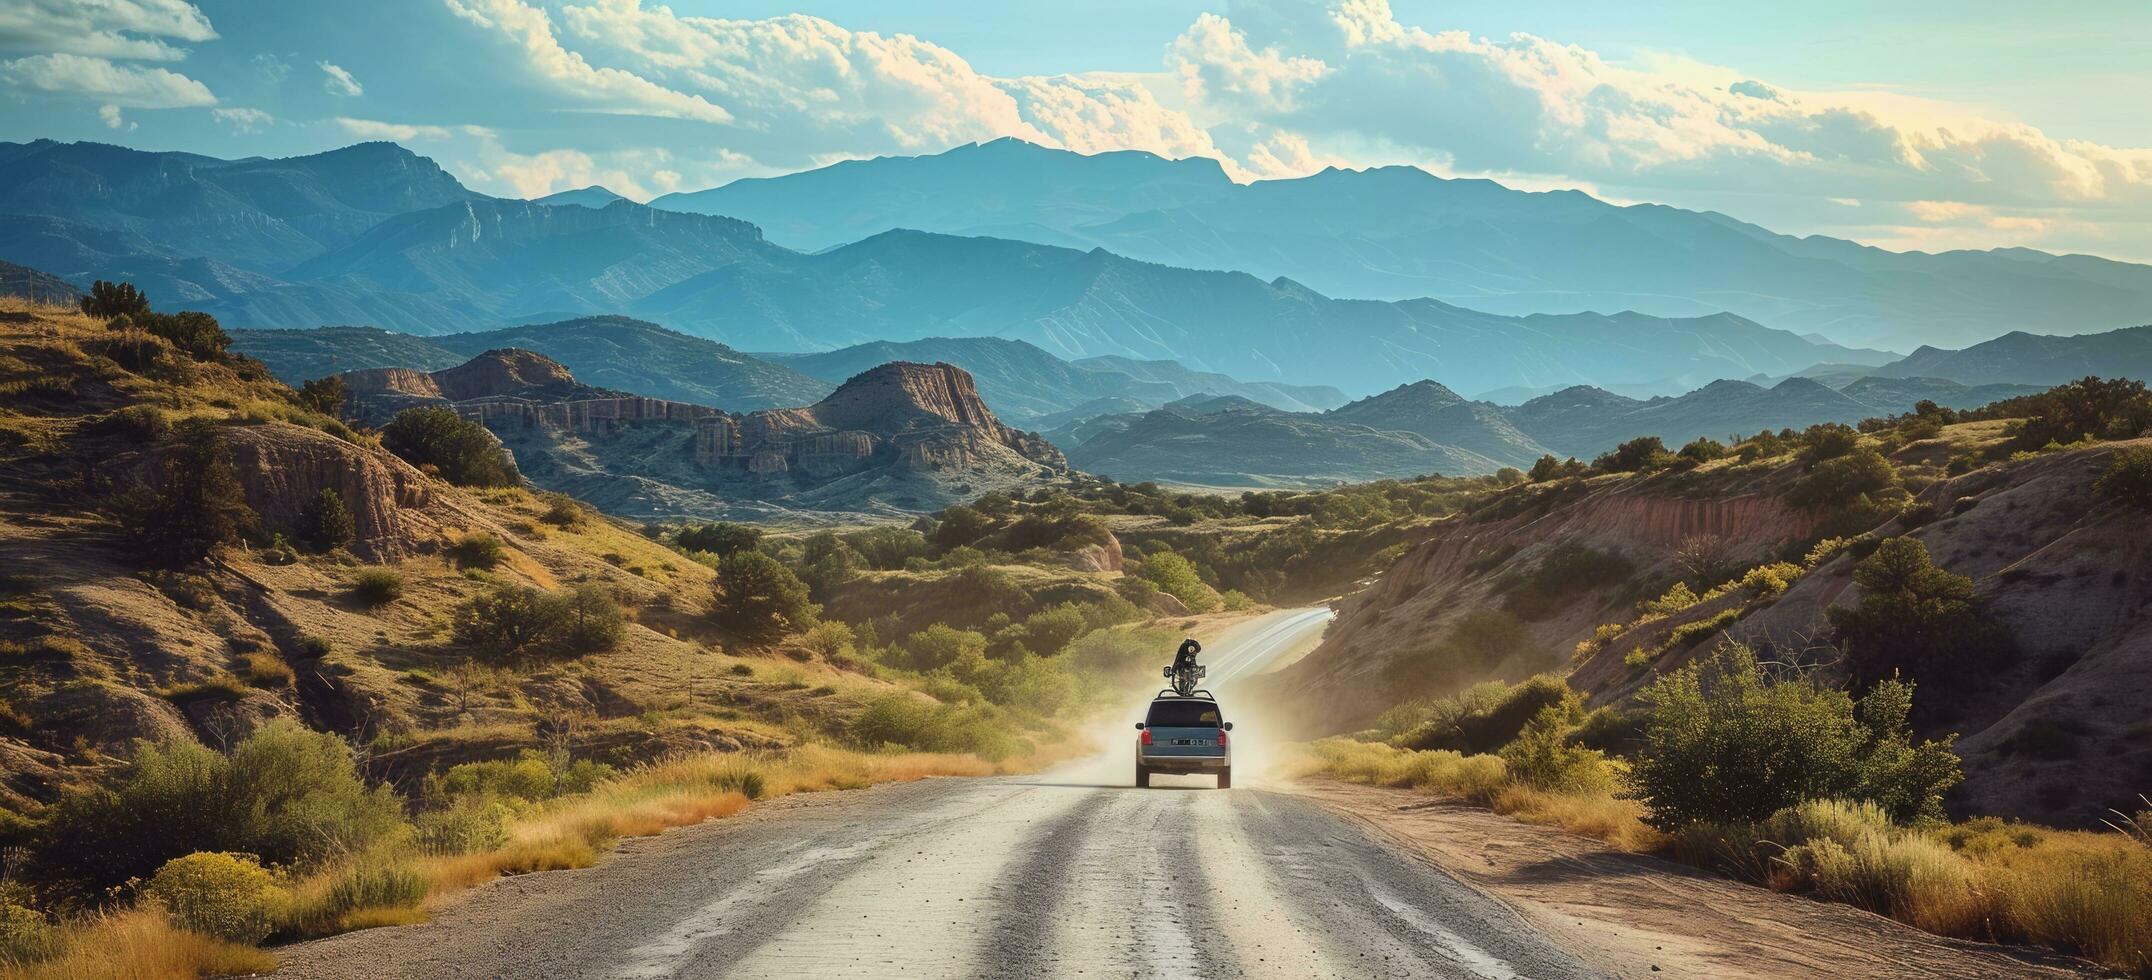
(142, 945)
(2084, 893)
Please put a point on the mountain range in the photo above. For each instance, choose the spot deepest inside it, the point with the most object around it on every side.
(1401, 233)
(461, 262)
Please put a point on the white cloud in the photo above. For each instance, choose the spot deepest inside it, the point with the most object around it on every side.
(242, 120)
(603, 89)
(122, 29)
(112, 117)
(100, 80)
(337, 81)
(1355, 78)
(372, 129)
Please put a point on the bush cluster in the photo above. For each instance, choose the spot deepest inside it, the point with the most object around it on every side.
(514, 623)
(459, 449)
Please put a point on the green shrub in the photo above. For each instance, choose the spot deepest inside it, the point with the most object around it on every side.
(1828, 440)
(1703, 449)
(1676, 599)
(324, 395)
(459, 449)
(286, 794)
(326, 524)
(228, 896)
(25, 937)
(721, 538)
(377, 586)
(107, 300)
(1915, 617)
(1488, 716)
(1542, 756)
(477, 549)
(143, 423)
(510, 622)
(1841, 481)
(1176, 576)
(907, 722)
(2128, 479)
(2117, 408)
(887, 548)
(468, 825)
(1726, 744)
(591, 620)
(759, 599)
(563, 511)
(1550, 468)
(1643, 454)
(744, 780)
(370, 885)
(938, 646)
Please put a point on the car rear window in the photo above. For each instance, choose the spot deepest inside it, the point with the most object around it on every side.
(1183, 714)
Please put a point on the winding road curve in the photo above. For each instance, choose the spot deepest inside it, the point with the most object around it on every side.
(1071, 873)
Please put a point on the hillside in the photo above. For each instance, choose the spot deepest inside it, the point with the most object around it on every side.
(106, 647)
(618, 352)
(2046, 730)
(2026, 358)
(23, 282)
(895, 439)
(1399, 232)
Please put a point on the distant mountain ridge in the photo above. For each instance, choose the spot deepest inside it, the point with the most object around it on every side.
(1399, 233)
(618, 352)
(2026, 358)
(471, 263)
(1426, 428)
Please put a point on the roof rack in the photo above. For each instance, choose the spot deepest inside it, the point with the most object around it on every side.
(1198, 694)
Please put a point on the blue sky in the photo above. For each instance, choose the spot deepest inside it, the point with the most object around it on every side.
(1914, 124)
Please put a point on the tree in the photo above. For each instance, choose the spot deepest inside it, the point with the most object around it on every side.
(759, 598)
(1828, 440)
(510, 622)
(826, 564)
(198, 334)
(720, 538)
(461, 450)
(1176, 576)
(1725, 743)
(325, 523)
(591, 622)
(960, 525)
(1701, 450)
(324, 395)
(194, 506)
(107, 300)
(1916, 617)
(1842, 480)
(1639, 455)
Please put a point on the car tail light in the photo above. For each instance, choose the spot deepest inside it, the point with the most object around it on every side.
(1221, 738)
(1146, 736)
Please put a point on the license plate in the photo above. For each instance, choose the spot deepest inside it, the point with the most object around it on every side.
(1184, 741)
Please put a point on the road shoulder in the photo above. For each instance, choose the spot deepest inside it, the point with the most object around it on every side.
(1639, 916)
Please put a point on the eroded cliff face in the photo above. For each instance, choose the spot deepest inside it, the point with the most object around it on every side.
(1459, 567)
(901, 437)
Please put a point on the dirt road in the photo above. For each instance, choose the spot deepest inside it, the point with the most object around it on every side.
(1072, 873)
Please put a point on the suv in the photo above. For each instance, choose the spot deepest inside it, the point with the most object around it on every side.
(1184, 735)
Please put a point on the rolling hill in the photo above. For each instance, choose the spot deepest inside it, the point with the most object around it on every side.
(2024, 358)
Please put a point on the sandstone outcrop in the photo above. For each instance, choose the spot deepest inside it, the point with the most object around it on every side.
(899, 437)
